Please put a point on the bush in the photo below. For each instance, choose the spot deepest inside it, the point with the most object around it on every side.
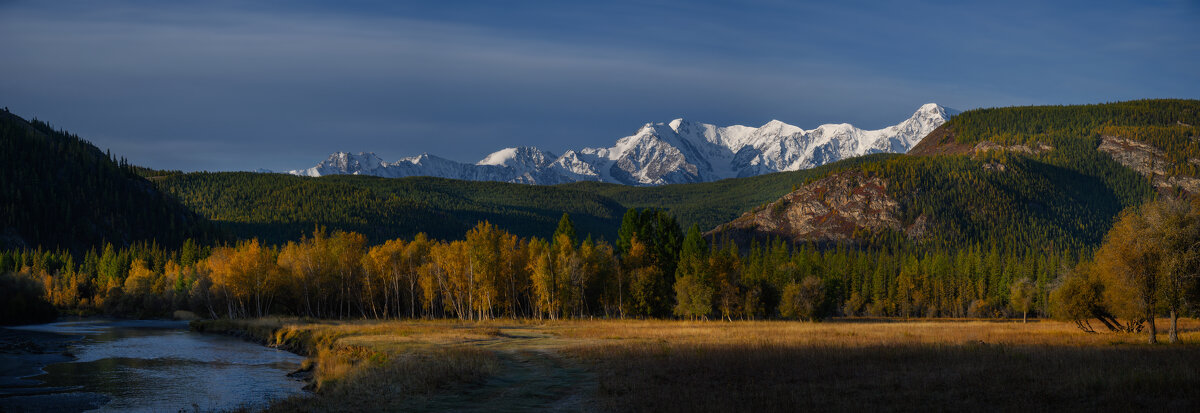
(804, 300)
(23, 300)
(982, 308)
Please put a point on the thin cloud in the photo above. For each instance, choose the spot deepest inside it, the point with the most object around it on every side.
(299, 83)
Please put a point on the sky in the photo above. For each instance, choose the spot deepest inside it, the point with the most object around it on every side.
(224, 86)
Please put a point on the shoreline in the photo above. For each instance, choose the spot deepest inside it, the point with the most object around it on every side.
(305, 373)
(26, 354)
(29, 353)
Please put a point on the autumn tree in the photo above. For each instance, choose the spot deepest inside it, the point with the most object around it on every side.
(416, 257)
(246, 276)
(513, 284)
(485, 258)
(803, 300)
(346, 250)
(542, 279)
(308, 262)
(384, 268)
(567, 271)
(725, 269)
(645, 278)
(596, 265)
(1020, 297)
(1177, 224)
(1129, 262)
(140, 278)
(1079, 296)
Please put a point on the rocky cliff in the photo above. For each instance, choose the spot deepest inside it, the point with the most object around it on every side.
(1149, 161)
(834, 208)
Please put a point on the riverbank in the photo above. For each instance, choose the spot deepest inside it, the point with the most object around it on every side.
(136, 365)
(637, 365)
(25, 353)
(422, 365)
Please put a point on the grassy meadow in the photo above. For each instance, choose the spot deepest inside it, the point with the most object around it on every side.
(654, 365)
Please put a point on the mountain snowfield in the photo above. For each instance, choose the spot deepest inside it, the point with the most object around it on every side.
(679, 151)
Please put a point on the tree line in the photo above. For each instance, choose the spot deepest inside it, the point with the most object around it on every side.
(276, 208)
(652, 269)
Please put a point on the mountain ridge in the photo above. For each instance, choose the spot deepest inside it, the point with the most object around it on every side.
(679, 151)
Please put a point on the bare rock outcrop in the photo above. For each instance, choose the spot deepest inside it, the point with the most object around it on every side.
(830, 209)
(989, 146)
(1147, 160)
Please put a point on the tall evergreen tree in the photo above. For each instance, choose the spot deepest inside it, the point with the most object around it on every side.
(566, 227)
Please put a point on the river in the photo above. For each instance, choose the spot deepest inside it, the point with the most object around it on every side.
(137, 365)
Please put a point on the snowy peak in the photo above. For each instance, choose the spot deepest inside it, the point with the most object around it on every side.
(933, 110)
(340, 163)
(663, 153)
(778, 128)
(524, 156)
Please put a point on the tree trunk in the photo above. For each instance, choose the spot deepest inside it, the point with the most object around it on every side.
(1024, 317)
(1174, 327)
(1153, 331)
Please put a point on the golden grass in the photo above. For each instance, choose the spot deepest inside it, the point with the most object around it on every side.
(656, 365)
(891, 366)
(857, 333)
(392, 383)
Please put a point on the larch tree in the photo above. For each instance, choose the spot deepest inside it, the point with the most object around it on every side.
(140, 278)
(1020, 297)
(1178, 227)
(1129, 264)
(383, 269)
(725, 269)
(346, 248)
(542, 280)
(416, 255)
(484, 255)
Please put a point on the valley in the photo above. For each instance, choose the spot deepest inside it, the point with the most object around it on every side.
(616, 206)
(589, 295)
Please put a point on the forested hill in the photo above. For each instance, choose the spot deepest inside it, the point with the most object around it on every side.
(1021, 177)
(61, 192)
(278, 208)
(1050, 124)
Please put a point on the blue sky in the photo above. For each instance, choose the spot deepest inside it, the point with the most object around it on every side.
(280, 85)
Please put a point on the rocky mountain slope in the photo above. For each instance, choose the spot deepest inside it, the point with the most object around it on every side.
(1151, 162)
(679, 151)
(829, 209)
(1014, 175)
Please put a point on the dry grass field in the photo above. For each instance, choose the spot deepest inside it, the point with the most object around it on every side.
(631, 365)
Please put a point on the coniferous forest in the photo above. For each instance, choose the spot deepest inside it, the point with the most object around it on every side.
(1001, 243)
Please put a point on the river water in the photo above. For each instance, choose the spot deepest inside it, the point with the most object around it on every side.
(154, 366)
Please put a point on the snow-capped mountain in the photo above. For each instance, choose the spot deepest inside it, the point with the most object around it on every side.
(662, 153)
